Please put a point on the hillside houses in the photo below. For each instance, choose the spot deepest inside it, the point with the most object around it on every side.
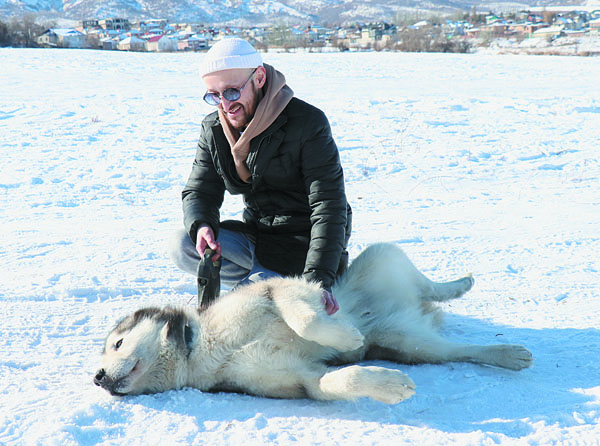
(160, 36)
(550, 25)
(120, 34)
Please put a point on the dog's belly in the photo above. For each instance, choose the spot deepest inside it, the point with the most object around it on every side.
(275, 367)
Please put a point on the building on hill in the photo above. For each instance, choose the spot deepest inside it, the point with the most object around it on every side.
(62, 38)
(550, 32)
(131, 43)
(90, 24)
(108, 44)
(115, 23)
(161, 44)
(527, 29)
(192, 43)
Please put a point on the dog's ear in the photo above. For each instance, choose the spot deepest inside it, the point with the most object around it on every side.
(164, 333)
(174, 327)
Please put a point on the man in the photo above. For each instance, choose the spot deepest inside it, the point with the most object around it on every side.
(278, 153)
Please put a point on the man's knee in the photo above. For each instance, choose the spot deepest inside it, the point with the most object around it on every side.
(179, 248)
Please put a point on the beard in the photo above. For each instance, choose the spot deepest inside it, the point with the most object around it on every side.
(240, 119)
(244, 112)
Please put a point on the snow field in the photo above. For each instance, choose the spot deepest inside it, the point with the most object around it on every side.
(471, 163)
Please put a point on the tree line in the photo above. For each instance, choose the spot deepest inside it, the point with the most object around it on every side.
(22, 32)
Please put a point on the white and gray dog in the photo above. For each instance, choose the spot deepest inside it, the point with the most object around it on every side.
(275, 339)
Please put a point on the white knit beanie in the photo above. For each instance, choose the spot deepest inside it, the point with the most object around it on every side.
(230, 53)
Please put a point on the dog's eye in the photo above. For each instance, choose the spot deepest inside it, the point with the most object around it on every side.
(118, 344)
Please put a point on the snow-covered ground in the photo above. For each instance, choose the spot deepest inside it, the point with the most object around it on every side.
(471, 163)
(562, 46)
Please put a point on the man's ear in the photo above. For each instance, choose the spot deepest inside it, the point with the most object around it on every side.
(260, 77)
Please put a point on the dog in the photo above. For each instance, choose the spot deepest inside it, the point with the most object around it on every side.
(274, 338)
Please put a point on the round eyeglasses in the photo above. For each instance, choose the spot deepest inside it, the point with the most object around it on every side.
(231, 94)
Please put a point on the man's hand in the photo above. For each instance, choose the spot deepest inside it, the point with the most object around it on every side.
(206, 237)
(331, 305)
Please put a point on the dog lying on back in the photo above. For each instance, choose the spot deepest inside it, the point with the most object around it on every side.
(275, 339)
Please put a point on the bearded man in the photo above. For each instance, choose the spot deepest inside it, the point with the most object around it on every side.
(276, 151)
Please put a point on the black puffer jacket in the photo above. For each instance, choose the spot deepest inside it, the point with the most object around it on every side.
(296, 209)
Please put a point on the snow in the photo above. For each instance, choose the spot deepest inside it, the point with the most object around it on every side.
(478, 163)
(564, 46)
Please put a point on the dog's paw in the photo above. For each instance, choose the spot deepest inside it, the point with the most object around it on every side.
(350, 339)
(514, 357)
(379, 383)
(470, 281)
(393, 387)
(334, 332)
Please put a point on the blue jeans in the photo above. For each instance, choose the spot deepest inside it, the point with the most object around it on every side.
(240, 265)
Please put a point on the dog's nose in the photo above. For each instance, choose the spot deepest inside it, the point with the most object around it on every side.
(99, 377)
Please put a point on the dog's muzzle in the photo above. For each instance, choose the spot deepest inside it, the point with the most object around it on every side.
(107, 383)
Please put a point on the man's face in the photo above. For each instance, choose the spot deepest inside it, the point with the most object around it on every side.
(239, 113)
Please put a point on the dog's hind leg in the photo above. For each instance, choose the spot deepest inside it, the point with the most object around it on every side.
(386, 267)
(352, 382)
(508, 356)
(433, 349)
(441, 291)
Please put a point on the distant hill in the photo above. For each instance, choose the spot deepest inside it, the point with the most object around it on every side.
(257, 12)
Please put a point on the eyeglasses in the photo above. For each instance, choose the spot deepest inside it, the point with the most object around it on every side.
(231, 94)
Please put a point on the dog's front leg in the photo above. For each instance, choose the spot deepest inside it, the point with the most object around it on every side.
(301, 307)
(329, 331)
(352, 382)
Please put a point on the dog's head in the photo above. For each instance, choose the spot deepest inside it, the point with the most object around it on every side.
(146, 352)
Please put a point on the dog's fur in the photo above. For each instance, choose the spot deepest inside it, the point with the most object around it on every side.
(275, 339)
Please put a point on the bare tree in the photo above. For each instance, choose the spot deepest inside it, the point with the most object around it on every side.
(5, 39)
(340, 44)
(430, 39)
(281, 36)
(25, 30)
